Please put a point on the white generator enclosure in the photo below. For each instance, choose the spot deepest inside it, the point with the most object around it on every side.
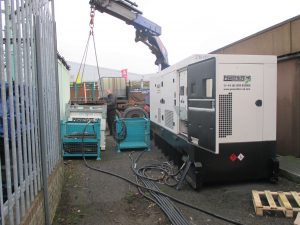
(220, 110)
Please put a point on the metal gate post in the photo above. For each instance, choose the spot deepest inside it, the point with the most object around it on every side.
(42, 117)
(56, 76)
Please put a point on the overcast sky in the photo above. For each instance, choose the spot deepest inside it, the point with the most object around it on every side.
(188, 27)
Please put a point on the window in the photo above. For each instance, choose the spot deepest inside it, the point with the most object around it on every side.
(209, 88)
(181, 90)
(193, 88)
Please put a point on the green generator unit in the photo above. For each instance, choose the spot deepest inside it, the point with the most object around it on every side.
(132, 133)
(81, 138)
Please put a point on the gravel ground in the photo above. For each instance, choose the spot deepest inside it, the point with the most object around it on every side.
(93, 198)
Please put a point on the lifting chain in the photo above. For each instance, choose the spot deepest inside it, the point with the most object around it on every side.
(92, 15)
(83, 61)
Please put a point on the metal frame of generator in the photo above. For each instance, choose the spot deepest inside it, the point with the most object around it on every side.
(81, 138)
(132, 133)
(85, 113)
(220, 110)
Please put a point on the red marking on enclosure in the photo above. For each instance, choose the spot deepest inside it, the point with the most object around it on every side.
(233, 157)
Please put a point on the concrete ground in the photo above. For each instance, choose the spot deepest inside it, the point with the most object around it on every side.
(290, 167)
(93, 198)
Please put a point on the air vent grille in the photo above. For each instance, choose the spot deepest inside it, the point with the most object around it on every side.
(169, 119)
(159, 115)
(225, 115)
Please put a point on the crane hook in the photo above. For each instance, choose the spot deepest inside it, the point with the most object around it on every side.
(92, 15)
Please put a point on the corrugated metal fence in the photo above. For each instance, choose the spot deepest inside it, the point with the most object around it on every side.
(29, 124)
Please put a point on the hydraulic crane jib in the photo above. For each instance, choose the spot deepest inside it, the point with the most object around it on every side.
(147, 31)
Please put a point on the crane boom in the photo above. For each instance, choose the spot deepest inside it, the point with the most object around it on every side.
(147, 31)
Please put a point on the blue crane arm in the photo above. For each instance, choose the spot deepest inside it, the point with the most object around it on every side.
(147, 31)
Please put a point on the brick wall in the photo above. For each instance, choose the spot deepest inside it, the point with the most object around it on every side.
(36, 216)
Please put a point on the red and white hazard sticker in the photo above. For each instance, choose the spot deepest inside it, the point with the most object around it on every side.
(241, 157)
(233, 157)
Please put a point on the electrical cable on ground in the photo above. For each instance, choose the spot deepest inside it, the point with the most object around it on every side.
(136, 184)
(166, 205)
(162, 193)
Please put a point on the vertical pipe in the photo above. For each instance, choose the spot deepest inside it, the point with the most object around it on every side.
(29, 98)
(27, 110)
(31, 102)
(44, 88)
(55, 92)
(49, 98)
(35, 107)
(18, 79)
(59, 150)
(23, 102)
(37, 131)
(13, 102)
(3, 98)
(76, 90)
(50, 91)
(48, 77)
(41, 119)
(37, 122)
(5, 115)
(84, 91)
(93, 91)
(54, 75)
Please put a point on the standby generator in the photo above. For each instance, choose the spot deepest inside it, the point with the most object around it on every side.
(219, 111)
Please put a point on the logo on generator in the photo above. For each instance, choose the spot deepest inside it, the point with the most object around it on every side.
(237, 82)
(238, 78)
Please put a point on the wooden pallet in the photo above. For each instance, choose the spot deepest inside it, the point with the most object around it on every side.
(282, 198)
(297, 221)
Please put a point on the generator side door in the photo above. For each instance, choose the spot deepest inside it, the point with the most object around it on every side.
(243, 84)
(183, 102)
(201, 81)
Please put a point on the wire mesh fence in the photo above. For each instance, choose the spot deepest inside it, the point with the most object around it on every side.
(29, 124)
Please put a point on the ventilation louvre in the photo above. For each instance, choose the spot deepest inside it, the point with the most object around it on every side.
(159, 115)
(225, 115)
(169, 119)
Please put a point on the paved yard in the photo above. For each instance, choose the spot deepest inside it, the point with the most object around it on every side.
(93, 198)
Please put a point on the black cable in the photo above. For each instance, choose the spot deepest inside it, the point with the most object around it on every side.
(162, 193)
(171, 211)
(164, 203)
(150, 189)
(122, 134)
(165, 168)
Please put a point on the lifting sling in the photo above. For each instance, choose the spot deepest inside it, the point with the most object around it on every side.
(79, 77)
